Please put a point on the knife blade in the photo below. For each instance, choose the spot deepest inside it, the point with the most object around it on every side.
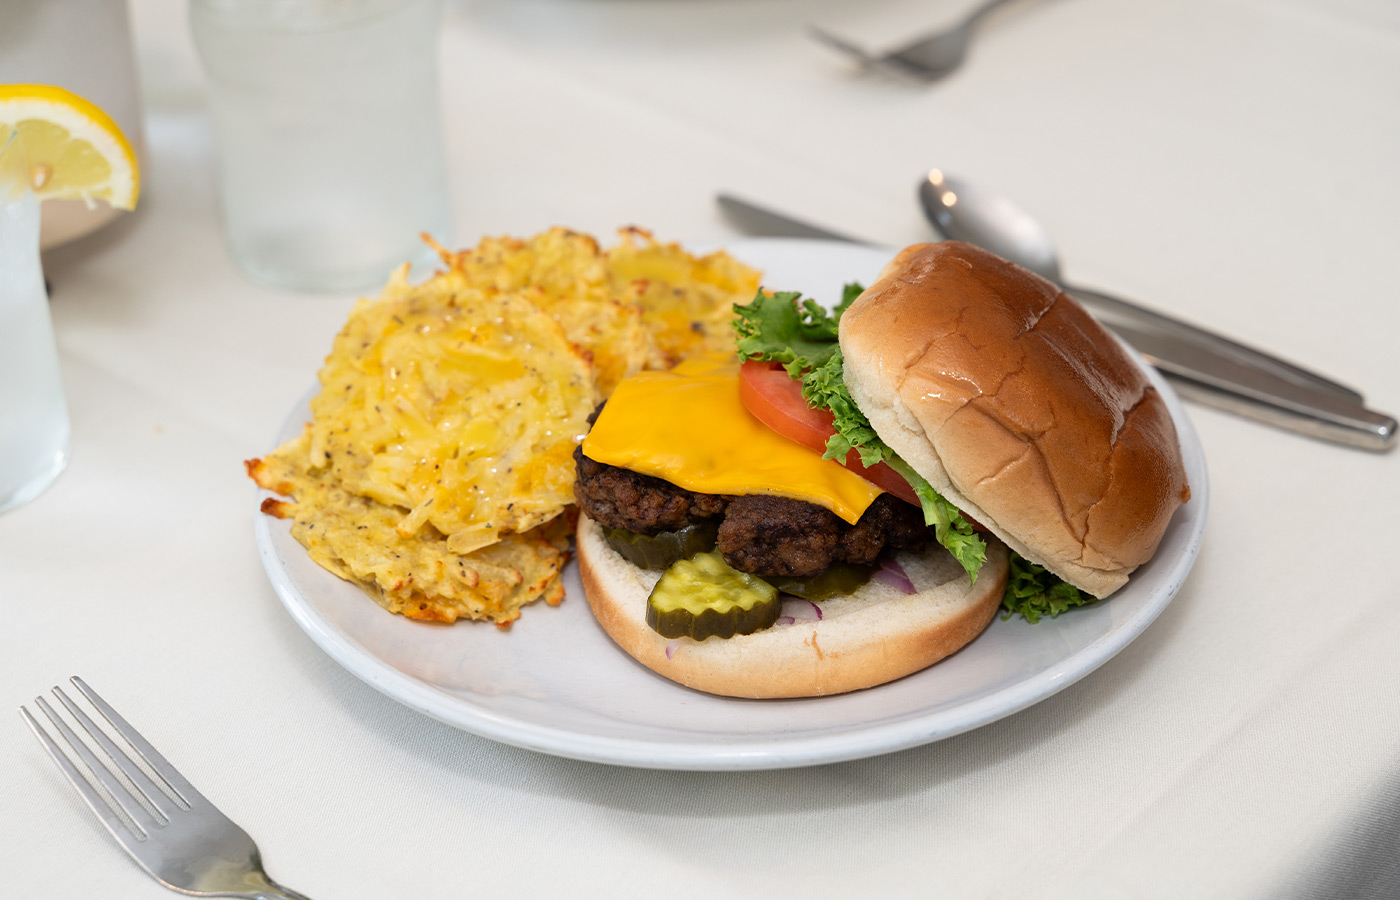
(1202, 366)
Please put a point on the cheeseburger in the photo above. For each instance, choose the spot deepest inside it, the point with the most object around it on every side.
(852, 496)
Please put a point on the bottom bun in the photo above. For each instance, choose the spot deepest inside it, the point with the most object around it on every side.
(873, 636)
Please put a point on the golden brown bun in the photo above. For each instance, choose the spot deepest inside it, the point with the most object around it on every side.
(1019, 408)
(876, 635)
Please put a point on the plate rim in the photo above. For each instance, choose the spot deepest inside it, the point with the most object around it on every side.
(777, 752)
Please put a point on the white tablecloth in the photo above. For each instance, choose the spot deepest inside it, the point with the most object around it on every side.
(1232, 161)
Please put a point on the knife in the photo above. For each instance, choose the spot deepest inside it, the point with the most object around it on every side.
(1204, 367)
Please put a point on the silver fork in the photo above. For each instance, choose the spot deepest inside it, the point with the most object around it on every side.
(928, 58)
(171, 831)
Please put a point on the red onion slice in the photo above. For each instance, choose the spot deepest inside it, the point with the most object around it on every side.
(672, 647)
(893, 574)
(796, 609)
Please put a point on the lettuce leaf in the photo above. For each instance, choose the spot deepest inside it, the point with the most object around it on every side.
(786, 329)
(800, 335)
(824, 387)
(1033, 591)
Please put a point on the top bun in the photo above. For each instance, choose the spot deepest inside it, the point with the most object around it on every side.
(1017, 407)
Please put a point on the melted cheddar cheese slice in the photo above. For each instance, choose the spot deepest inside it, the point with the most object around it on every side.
(689, 427)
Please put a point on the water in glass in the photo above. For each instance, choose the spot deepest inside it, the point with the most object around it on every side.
(34, 429)
(330, 142)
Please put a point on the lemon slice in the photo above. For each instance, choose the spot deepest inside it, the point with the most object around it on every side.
(75, 150)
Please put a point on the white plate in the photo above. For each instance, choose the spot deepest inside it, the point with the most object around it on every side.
(555, 682)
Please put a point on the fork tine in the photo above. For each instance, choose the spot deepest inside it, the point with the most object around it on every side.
(200, 852)
(889, 63)
(116, 791)
(148, 788)
(113, 822)
(172, 777)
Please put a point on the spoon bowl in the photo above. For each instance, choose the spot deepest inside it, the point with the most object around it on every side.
(962, 213)
(1202, 362)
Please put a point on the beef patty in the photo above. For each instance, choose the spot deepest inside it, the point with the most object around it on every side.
(759, 534)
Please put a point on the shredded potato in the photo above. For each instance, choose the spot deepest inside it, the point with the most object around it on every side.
(687, 301)
(461, 406)
(639, 305)
(438, 464)
(358, 539)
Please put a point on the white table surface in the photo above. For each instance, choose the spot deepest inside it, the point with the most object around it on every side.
(1233, 161)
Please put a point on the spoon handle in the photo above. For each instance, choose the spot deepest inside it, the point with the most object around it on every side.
(1207, 368)
(1202, 374)
(1113, 311)
(1349, 424)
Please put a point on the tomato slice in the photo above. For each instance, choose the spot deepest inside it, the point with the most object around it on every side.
(775, 399)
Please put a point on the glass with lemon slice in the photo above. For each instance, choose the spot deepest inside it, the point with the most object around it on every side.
(52, 144)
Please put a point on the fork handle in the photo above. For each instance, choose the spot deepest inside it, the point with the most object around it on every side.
(277, 892)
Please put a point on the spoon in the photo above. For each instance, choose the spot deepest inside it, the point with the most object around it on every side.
(928, 58)
(1205, 367)
(992, 222)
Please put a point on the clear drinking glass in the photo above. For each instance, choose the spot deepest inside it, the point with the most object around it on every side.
(84, 46)
(34, 429)
(329, 133)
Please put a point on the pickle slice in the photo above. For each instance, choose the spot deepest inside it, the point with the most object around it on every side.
(704, 597)
(660, 550)
(837, 580)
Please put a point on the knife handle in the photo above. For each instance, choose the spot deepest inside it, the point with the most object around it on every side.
(1110, 309)
(1327, 417)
